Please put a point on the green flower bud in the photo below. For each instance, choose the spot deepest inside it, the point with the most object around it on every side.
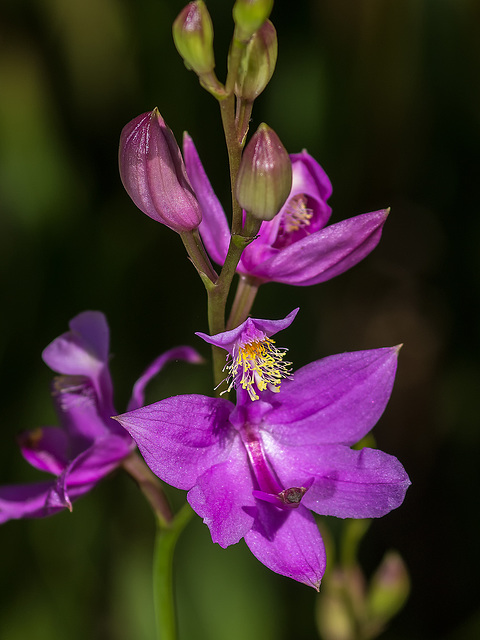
(193, 37)
(265, 175)
(257, 63)
(389, 589)
(249, 15)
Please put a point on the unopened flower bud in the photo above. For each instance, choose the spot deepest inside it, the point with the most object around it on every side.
(257, 63)
(389, 589)
(193, 37)
(153, 173)
(249, 16)
(265, 175)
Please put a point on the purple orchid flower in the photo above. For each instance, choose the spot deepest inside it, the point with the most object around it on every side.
(296, 247)
(255, 470)
(89, 445)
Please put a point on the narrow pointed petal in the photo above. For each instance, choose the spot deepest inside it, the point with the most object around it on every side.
(319, 256)
(214, 226)
(181, 437)
(223, 497)
(45, 449)
(289, 543)
(348, 483)
(178, 353)
(335, 400)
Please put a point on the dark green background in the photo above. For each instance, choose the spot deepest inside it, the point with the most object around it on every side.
(386, 95)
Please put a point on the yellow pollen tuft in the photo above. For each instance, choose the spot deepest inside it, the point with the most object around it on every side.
(257, 365)
(297, 215)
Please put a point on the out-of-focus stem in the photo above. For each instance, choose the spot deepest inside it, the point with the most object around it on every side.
(244, 298)
(150, 486)
(165, 541)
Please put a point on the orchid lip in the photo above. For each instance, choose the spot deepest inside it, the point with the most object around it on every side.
(288, 498)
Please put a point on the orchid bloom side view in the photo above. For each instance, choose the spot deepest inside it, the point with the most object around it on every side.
(88, 445)
(272, 451)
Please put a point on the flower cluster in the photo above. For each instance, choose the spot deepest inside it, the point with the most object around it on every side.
(291, 443)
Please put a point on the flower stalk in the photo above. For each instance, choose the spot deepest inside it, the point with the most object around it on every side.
(164, 601)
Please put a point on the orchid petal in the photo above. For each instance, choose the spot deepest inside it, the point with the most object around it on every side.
(179, 353)
(289, 543)
(181, 437)
(348, 483)
(214, 226)
(77, 406)
(223, 497)
(227, 339)
(83, 351)
(320, 256)
(97, 461)
(24, 501)
(45, 448)
(335, 400)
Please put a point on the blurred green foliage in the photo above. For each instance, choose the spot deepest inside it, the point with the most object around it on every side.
(385, 94)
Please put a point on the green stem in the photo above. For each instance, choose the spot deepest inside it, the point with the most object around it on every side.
(244, 299)
(165, 541)
(217, 294)
(234, 149)
(196, 251)
(353, 530)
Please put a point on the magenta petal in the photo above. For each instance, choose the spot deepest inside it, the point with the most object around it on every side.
(45, 448)
(227, 339)
(24, 501)
(335, 400)
(348, 483)
(83, 351)
(289, 543)
(77, 406)
(323, 254)
(318, 183)
(222, 496)
(178, 353)
(181, 437)
(97, 461)
(214, 226)
(58, 497)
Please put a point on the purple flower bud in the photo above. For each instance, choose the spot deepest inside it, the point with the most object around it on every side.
(193, 36)
(153, 173)
(258, 63)
(249, 15)
(265, 175)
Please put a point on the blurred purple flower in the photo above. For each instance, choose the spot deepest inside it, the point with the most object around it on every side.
(255, 470)
(89, 444)
(296, 247)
